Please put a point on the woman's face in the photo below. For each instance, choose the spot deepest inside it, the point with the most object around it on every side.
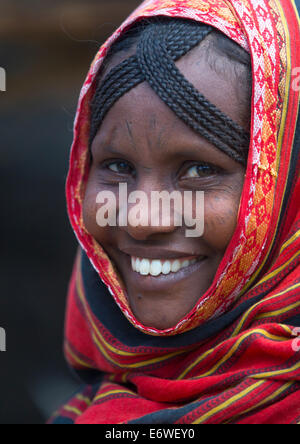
(142, 143)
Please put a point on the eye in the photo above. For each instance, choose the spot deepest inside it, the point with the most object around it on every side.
(200, 170)
(120, 167)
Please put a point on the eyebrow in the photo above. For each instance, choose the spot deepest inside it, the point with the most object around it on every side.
(194, 151)
(109, 149)
(183, 152)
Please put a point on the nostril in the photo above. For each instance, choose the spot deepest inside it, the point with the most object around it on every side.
(142, 233)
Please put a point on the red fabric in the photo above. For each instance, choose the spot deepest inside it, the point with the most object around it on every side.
(249, 371)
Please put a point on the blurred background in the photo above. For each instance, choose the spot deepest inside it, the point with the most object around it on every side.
(46, 49)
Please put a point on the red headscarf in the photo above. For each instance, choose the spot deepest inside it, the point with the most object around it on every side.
(234, 357)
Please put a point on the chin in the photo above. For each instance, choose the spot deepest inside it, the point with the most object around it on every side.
(159, 311)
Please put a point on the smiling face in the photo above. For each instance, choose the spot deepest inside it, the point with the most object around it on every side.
(142, 143)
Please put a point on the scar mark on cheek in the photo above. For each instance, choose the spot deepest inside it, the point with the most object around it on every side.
(160, 139)
(223, 220)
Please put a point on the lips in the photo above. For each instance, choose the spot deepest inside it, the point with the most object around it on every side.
(157, 267)
(142, 269)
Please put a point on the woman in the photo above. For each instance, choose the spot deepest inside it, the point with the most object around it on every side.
(161, 327)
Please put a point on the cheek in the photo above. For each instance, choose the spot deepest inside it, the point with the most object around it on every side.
(89, 210)
(95, 215)
(221, 214)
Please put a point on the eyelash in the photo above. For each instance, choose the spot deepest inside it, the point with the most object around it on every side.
(210, 169)
(119, 162)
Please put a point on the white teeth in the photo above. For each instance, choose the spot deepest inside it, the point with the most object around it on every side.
(156, 267)
(175, 266)
(185, 264)
(137, 265)
(166, 268)
(145, 267)
(133, 262)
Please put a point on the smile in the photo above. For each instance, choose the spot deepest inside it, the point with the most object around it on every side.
(157, 267)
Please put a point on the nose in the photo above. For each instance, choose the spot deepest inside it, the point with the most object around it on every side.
(150, 212)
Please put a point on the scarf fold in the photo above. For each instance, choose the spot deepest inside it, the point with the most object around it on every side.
(235, 357)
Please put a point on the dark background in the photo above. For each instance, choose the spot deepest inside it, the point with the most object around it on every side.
(46, 49)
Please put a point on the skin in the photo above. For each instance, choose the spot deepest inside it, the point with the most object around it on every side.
(141, 142)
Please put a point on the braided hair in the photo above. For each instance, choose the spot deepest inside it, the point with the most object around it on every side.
(159, 44)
